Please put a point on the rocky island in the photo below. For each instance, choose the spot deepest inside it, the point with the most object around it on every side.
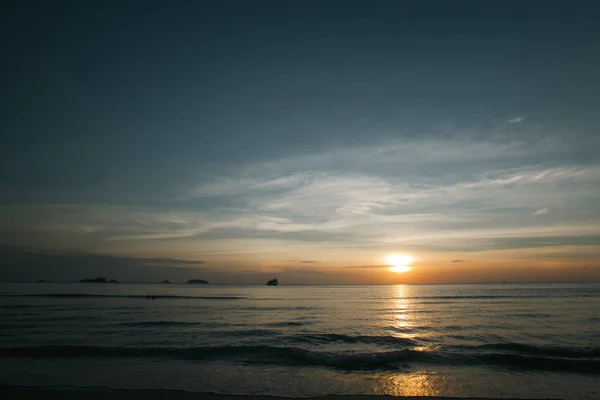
(98, 280)
(166, 281)
(197, 281)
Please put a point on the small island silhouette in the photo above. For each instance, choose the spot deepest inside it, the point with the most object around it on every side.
(166, 281)
(197, 281)
(98, 280)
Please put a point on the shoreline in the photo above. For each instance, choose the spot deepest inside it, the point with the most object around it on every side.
(74, 392)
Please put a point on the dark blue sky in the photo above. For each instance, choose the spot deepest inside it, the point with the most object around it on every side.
(242, 123)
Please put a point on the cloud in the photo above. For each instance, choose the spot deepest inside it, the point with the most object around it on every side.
(541, 211)
(308, 262)
(459, 191)
(516, 120)
(25, 263)
(333, 207)
(367, 266)
(457, 261)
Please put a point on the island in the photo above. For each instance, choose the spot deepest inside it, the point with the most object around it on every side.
(166, 281)
(197, 281)
(98, 280)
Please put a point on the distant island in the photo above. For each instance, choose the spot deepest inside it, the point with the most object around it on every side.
(197, 281)
(166, 281)
(98, 280)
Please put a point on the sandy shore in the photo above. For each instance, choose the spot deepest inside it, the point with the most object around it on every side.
(24, 392)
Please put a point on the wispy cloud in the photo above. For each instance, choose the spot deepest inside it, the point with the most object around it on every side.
(516, 120)
(432, 194)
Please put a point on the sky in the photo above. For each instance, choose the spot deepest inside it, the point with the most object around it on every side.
(309, 140)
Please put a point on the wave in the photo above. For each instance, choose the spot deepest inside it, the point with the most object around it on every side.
(516, 361)
(155, 324)
(288, 323)
(207, 324)
(121, 296)
(252, 354)
(552, 351)
(19, 306)
(529, 315)
(213, 324)
(326, 338)
(352, 361)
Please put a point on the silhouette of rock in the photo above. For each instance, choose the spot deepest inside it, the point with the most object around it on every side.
(166, 281)
(197, 281)
(273, 282)
(41, 281)
(98, 280)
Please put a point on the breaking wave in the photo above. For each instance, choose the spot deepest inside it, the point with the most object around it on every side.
(547, 359)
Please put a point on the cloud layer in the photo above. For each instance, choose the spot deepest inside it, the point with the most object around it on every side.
(436, 196)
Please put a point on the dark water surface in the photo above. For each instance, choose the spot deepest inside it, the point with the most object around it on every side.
(525, 340)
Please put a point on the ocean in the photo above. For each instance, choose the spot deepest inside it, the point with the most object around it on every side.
(492, 340)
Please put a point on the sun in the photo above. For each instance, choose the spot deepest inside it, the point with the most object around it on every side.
(399, 262)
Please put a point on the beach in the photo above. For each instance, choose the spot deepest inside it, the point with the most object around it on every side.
(23, 392)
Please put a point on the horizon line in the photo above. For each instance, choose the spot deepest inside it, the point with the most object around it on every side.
(311, 284)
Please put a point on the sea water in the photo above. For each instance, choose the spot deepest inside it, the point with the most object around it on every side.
(493, 340)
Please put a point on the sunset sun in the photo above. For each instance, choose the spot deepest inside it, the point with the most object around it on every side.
(399, 262)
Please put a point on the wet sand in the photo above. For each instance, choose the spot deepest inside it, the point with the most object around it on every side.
(25, 392)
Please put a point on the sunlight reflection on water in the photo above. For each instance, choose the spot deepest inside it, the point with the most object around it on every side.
(418, 384)
(402, 319)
